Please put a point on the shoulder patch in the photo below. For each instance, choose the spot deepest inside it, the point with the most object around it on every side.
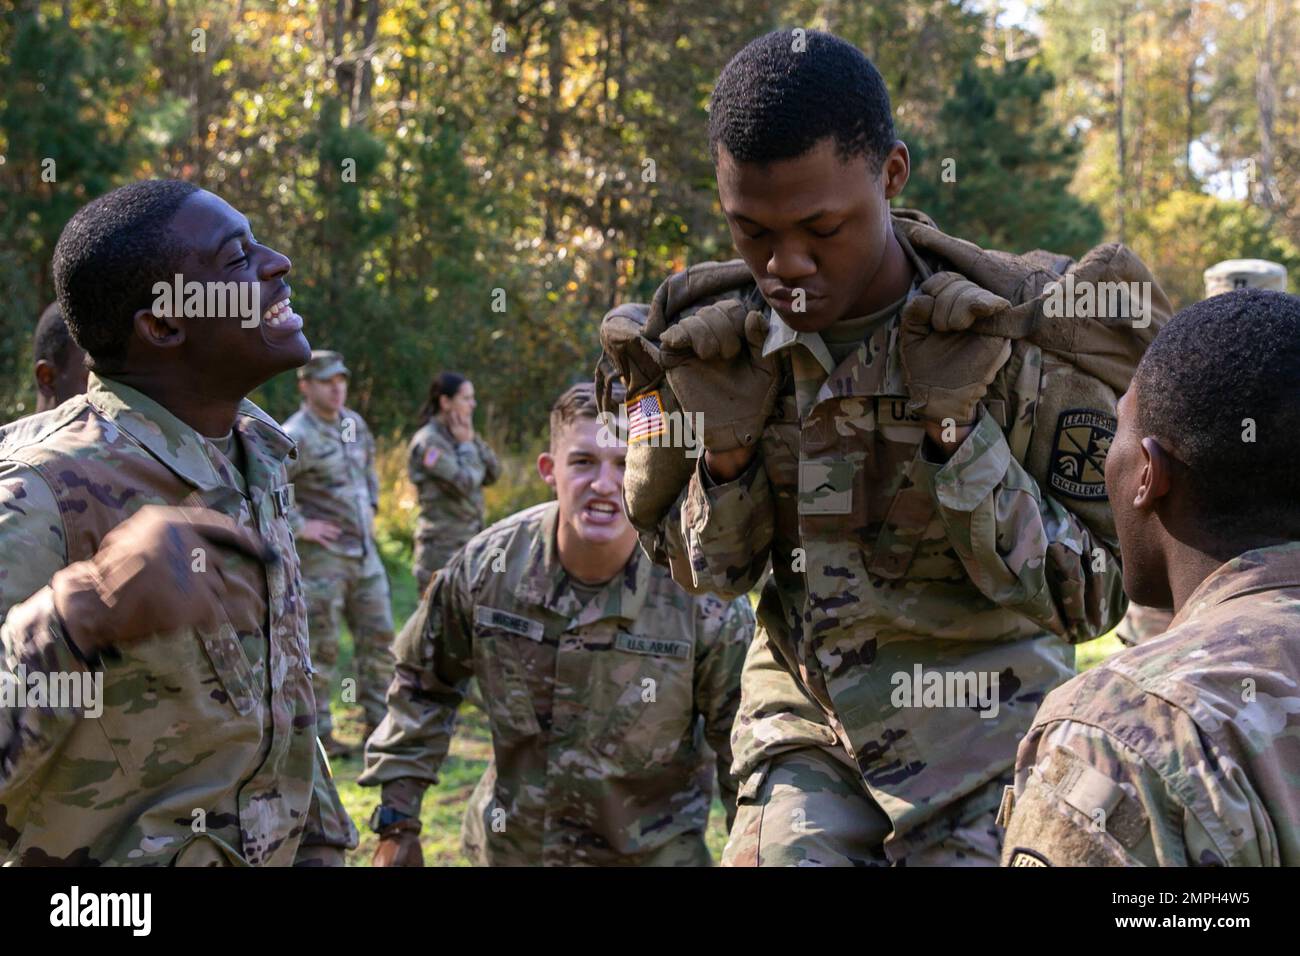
(514, 623)
(1077, 467)
(431, 456)
(645, 417)
(1023, 857)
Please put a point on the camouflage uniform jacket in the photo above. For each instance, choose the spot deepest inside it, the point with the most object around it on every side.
(334, 478)
(885, 562)
(221, 721)
(449, 477)
(594, 710)
(1183, 750)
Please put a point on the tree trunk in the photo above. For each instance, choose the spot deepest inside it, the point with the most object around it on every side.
(1121, 165)
(1266, 100)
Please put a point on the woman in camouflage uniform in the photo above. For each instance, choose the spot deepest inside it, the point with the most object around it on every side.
(449, 466)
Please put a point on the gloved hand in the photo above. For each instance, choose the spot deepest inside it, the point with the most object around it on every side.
(145, 577)
(954, 337)
(635, 359)
(715, 365)
(399, 845)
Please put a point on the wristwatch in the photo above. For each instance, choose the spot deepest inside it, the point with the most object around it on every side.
(384, 817)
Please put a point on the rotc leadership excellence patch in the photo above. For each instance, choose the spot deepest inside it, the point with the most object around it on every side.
(1077, 468)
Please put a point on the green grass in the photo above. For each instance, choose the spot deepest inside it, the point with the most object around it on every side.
(471, 746)
(1094, 652)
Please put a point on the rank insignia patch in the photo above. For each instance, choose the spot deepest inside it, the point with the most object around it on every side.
(1077, 468)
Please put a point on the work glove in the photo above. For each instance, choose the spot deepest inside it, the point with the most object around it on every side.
(714, 363)
(399, 845)
(633, 358)
(954, 337)
(654, 474)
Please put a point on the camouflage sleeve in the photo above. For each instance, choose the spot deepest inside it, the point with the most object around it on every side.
(434, 667)
(32, 640)
(728, 629)
(724, 530)
(491, 466)
(328, 831)
(31, 526)
(1022, 549)
(1086, 795)
(459, 469)
(414, 457)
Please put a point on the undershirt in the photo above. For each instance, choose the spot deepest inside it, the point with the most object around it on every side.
(843, 338)
(585, 592)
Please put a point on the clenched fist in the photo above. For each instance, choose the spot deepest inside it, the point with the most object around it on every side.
(953, 338)
(142, 578)
(399, 845)
(714, 362)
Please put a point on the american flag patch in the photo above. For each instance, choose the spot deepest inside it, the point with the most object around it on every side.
(645, 417)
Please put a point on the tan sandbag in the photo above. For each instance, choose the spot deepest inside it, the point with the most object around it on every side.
(1104, 346)
(1085, 362)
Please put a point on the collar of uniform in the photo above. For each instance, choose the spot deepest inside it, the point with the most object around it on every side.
(441, 428)
(781, 336)
(874, 368)
(170, 440)
(546, 583)
(1263, 569)
(923, 269)
(623, 595)
(272, 440)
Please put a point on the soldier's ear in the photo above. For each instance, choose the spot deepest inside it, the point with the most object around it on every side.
(896, 169)
(160, 331)
(546, 468)
(46, 373)
(1157, 475)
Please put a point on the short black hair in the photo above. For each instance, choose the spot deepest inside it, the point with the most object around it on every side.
(1217, 367)
(109, 256)
(51, 341)
(778, 98)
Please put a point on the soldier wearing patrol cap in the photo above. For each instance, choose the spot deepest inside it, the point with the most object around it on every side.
(337, 494)
(1143, 623)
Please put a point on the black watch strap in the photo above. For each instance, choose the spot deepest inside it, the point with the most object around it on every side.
(384, 817)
